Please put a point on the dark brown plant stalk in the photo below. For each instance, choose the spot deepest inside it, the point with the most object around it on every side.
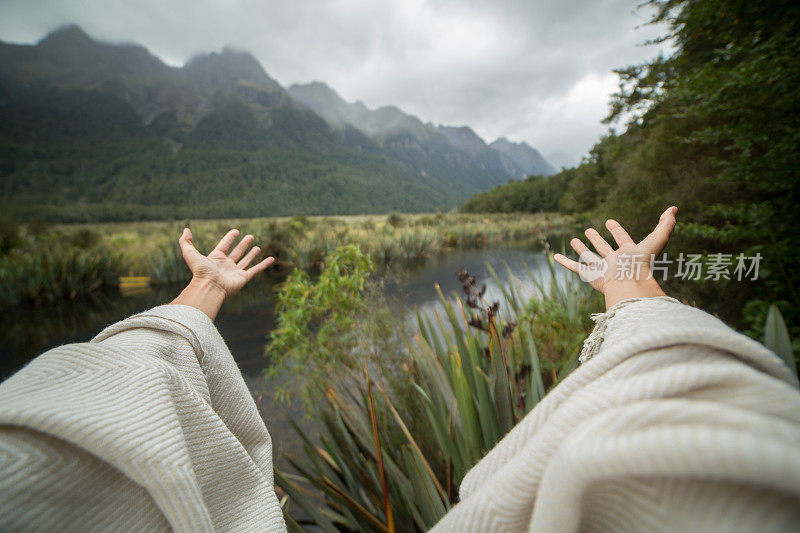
(387, 506)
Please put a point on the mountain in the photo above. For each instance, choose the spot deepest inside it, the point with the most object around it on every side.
(423, 145)
(97, 131)
(523, 159)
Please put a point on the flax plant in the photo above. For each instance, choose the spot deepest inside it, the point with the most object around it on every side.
(386, 461)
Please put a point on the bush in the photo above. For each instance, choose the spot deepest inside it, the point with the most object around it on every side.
(395, 220)
(9, 234)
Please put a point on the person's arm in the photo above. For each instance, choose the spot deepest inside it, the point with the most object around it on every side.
(220, 274)
(606, 271)
(140, 427)
(672, 414)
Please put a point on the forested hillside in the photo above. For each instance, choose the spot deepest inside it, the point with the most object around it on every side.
(715, 129)
(92, 131)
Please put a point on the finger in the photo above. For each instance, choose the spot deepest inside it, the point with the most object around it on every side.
(579, 247)
(567, 263)
(186, 238)
(619, 233)
(259, 268)
(187, 244)
(657, 240)
(590, 258)
(226, 241)
(246, 260)
(599, 243)
(243, 245)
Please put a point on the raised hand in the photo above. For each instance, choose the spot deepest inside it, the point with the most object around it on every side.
(228, 271)
(625, 272)
(219, 274)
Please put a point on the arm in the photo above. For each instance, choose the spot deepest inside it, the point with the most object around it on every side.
(677, 422)
(218, 275)
(140, 427)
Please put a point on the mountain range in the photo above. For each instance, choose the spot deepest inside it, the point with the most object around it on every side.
(97, 131)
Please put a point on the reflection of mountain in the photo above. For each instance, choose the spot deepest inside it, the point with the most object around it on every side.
(93, 131)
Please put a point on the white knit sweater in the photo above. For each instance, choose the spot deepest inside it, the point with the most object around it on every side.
(674, 423)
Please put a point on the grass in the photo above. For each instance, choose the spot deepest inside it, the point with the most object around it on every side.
(65, 261)
(399, 430)
(55, 273)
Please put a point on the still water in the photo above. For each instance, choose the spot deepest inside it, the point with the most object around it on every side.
(246, 320)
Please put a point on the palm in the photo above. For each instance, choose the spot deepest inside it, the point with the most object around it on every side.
(227, 270)
(629, 259)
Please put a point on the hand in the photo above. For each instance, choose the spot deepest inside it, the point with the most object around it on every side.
(607, 272)
(218, 275)
(227, 271)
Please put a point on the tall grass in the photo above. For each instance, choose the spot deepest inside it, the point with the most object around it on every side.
(389, 461)
(66, 261)
(54, 273)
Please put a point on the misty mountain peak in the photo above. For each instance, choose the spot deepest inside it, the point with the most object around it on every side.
(69, 47)
(528, 160)
(70, 35)
(463, 138)
(505, 143)
(317, 94)
(229, 66)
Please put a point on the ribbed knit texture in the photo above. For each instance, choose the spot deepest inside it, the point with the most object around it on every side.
(148, 427)
(674, 423)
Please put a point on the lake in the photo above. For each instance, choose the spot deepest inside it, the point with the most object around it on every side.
(246, 320)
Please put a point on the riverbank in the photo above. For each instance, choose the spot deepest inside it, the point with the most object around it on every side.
(68, 261)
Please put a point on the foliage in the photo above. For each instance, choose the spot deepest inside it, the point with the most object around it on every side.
(394, 220)
(317, 320)
(149, 248)
(715, 129)
(9, 234)
(776, 337)
(388, 460)
(54, 273)
(536, 194)
(723, 131)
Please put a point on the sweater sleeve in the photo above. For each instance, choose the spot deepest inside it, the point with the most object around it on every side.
(673, 422)
(154, 403)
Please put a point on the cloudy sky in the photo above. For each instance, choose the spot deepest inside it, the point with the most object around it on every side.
(532, 70)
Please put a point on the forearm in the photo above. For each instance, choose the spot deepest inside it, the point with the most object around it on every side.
(202, 294)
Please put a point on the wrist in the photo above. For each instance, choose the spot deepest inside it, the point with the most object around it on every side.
(208, 287)
(203, 294)
(623, 290)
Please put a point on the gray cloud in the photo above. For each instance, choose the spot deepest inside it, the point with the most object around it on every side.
(538, 71)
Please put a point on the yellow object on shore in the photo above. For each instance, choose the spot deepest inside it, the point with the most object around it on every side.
(130, 285)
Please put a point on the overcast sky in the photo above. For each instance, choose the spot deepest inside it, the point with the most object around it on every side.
(532, 70)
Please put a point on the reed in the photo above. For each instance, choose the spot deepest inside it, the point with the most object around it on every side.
(59, 272)
(390, 461)
(66, 261)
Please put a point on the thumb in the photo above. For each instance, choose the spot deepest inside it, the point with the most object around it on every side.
(186, 243)
(657, 240)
